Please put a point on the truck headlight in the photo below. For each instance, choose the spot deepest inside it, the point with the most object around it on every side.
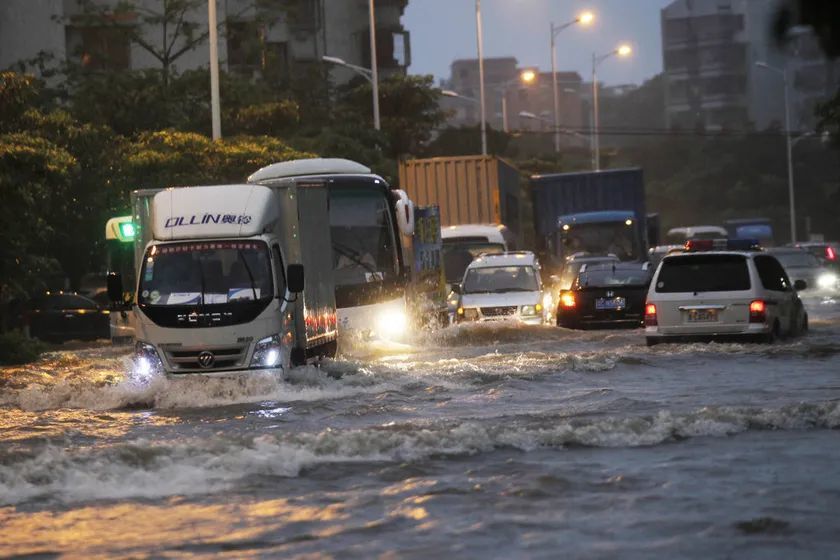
(531, 310)
(470, 314)
(391, 323)
(147, 361)
(268, 352)
(827, 280)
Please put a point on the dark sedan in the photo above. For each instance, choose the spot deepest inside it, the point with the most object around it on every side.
(605, 295)
(58, 317)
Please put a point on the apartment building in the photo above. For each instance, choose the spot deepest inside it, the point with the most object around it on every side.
(710, 51)
(280, 37)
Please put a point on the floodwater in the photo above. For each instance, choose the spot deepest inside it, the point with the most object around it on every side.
(473, 442)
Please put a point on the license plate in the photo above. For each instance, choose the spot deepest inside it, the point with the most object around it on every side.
(603, 304)
(702, 315)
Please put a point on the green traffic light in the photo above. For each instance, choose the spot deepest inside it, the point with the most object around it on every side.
(127, 231)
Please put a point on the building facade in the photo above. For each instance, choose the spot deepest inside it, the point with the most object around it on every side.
(281, 37)
(507, 96)
(710, 51)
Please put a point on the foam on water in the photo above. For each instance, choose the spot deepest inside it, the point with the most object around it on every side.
(141, 468)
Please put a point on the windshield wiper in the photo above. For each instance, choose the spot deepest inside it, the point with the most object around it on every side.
(353, 256)
(250, 274)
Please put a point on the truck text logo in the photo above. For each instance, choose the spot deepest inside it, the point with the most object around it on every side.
(196, 220)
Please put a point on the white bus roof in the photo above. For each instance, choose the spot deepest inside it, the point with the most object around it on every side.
(514, 258)
(306, 167)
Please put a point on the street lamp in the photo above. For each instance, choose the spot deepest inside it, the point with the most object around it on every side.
(480, 41)
(622, 51)
(586, 18)
(783, 73)
(532, 116)
(526, 77)
(368, 74)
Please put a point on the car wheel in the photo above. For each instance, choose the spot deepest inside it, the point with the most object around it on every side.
(772, 336)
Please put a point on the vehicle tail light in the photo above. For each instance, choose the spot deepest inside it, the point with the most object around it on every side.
(650, 315)
(830, 253)
(567, 300)
(758, 311)
(699, 245)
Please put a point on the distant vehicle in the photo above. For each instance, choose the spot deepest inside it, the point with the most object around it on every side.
(679, 235)
(656, 254)
(501, 287)
(752, 228)
(800, 264)
(827, 252)
(463, 243)
(57, 317)
(605, 295)
(574, 264)
(599, 212)
(738, 293)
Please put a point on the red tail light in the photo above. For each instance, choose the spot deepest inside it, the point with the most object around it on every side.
(758, 311)
(567, 300)
(650, 315)
(699, 245)
(830, 253)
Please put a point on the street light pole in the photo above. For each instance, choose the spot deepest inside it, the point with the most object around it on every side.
(789, 144)
(374, 69)
(595, 143)
(482, 99)
(215, 110)
(367, 74)
(585, 19)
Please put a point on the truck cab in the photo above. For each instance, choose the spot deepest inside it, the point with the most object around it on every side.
(220, 285)
(615, 232)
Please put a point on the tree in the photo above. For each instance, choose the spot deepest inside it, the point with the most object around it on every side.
(408, 106)
(823, 16)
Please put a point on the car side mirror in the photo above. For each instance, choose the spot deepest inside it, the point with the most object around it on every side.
(295, 278)
(800, 285)
(456, 289)
(115, 287)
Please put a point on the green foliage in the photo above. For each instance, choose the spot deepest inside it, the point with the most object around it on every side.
(17, 93)
(466, 141)
(408, 107)
(16, 348)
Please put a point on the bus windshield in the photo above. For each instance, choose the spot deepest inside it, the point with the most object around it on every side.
(612, 238)
(205, 273)
(364, 245)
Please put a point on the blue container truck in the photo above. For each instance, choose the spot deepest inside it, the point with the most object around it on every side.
(599, 213)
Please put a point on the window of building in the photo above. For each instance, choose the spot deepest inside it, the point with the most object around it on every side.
(244, 45)
(98, 48)
(392, 48)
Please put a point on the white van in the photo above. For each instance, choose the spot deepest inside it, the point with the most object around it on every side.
(711, 294)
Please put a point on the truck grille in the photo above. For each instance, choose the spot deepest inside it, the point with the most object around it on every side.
(224, 357)
(498, 311)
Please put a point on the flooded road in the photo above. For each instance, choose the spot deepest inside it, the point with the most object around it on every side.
(474, 442)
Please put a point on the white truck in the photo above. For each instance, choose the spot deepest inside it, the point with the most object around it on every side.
(220, 283)
(366, 220)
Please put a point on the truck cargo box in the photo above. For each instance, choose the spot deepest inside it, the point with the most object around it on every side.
(468, 190)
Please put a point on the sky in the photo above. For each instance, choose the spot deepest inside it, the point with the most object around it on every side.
(444, 30)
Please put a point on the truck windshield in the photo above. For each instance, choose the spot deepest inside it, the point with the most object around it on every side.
(612, 238)
(457, 256)
(364, 245)
(205, 273)
(499, 279)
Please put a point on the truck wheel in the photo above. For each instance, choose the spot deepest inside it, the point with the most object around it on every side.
(298, 356)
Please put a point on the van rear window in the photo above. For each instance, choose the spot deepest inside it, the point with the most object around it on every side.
(703, 273)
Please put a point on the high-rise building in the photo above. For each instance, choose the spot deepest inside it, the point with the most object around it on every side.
(710, 50)
(284, 36)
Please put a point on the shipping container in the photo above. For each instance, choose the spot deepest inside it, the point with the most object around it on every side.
(468, 189)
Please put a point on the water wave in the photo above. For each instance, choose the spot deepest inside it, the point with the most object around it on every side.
(142, 468)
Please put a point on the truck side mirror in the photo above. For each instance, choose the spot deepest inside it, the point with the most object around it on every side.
(115, 287)
(295, 278)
